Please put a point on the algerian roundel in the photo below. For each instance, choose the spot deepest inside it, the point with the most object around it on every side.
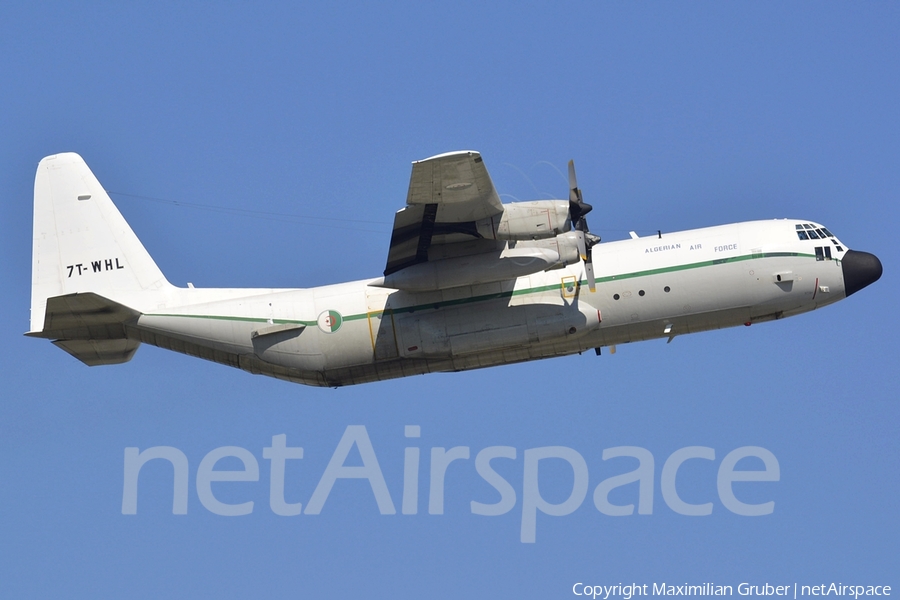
(330, 321)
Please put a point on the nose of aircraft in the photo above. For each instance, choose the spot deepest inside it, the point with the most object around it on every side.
(860, 269)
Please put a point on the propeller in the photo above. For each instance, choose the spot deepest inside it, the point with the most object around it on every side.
(578, 208)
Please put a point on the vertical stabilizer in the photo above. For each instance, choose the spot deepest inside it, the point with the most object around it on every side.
(81, 241)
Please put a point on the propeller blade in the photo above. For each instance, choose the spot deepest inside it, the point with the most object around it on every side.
(578, 208)
(582, 246)
(574, 192)
(589, 271)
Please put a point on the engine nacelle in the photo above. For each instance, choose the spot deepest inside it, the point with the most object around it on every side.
(533, 220)
(472, 270)
(564, 245)
(516, 260)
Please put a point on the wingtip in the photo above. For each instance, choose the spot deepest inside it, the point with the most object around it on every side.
(473, 153)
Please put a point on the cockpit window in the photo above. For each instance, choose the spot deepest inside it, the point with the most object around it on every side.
(809, 231)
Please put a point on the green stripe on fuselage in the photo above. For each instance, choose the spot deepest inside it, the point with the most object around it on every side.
(509, 294)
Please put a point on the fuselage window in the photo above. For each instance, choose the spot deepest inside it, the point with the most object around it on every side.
(820, 254)
(828, 252)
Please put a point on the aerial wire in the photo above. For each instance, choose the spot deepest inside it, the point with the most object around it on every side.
(333, 222)
(256, 214)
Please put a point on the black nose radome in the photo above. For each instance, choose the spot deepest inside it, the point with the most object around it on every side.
(860, 269)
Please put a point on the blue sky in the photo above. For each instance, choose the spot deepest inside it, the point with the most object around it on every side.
(298, 125)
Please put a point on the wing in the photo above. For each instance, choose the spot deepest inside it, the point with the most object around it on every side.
(448, 195)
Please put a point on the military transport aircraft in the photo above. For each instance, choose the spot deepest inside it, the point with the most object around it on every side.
(469, 283)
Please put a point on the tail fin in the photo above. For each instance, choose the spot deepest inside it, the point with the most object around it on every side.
(82, 244)
(81, 241)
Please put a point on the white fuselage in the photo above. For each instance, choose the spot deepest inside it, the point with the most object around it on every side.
(651, 287)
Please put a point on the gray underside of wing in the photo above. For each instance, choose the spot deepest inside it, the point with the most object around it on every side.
(447, 195)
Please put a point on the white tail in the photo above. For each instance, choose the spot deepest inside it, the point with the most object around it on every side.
(81, 241)
(90, 274)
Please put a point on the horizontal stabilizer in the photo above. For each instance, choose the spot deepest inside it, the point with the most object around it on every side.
(89, 327)
(100, 352)
(85, 316)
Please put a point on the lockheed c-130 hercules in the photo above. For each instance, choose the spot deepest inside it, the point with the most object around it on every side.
(469, 282)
